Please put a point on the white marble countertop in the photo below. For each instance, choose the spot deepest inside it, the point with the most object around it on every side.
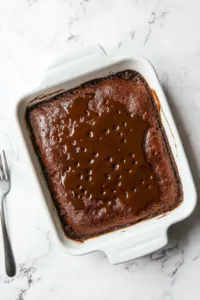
(167, 33)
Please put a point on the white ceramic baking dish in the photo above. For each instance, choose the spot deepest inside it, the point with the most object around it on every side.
(147, 236)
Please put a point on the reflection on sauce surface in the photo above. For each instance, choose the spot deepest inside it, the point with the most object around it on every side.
(103, 157)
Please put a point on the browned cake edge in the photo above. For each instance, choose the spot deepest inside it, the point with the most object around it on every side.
(69, 232)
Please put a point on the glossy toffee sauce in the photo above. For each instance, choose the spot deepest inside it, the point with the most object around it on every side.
(103, 157)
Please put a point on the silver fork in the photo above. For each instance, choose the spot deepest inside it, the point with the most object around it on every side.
(4, 190)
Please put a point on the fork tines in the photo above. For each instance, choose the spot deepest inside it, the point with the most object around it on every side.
(4, 171)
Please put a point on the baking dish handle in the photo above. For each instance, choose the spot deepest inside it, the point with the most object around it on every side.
(130, 249)
(75, 64)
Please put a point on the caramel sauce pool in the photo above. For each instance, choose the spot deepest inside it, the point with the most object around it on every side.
(103, 157)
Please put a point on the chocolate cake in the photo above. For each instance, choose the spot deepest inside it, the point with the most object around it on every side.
(105, 155)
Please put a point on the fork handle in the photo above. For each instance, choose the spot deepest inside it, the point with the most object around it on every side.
(9, 258)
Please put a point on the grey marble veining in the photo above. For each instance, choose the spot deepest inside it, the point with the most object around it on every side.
(166, 32)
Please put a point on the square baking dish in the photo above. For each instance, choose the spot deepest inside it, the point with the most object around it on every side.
(144, 237)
